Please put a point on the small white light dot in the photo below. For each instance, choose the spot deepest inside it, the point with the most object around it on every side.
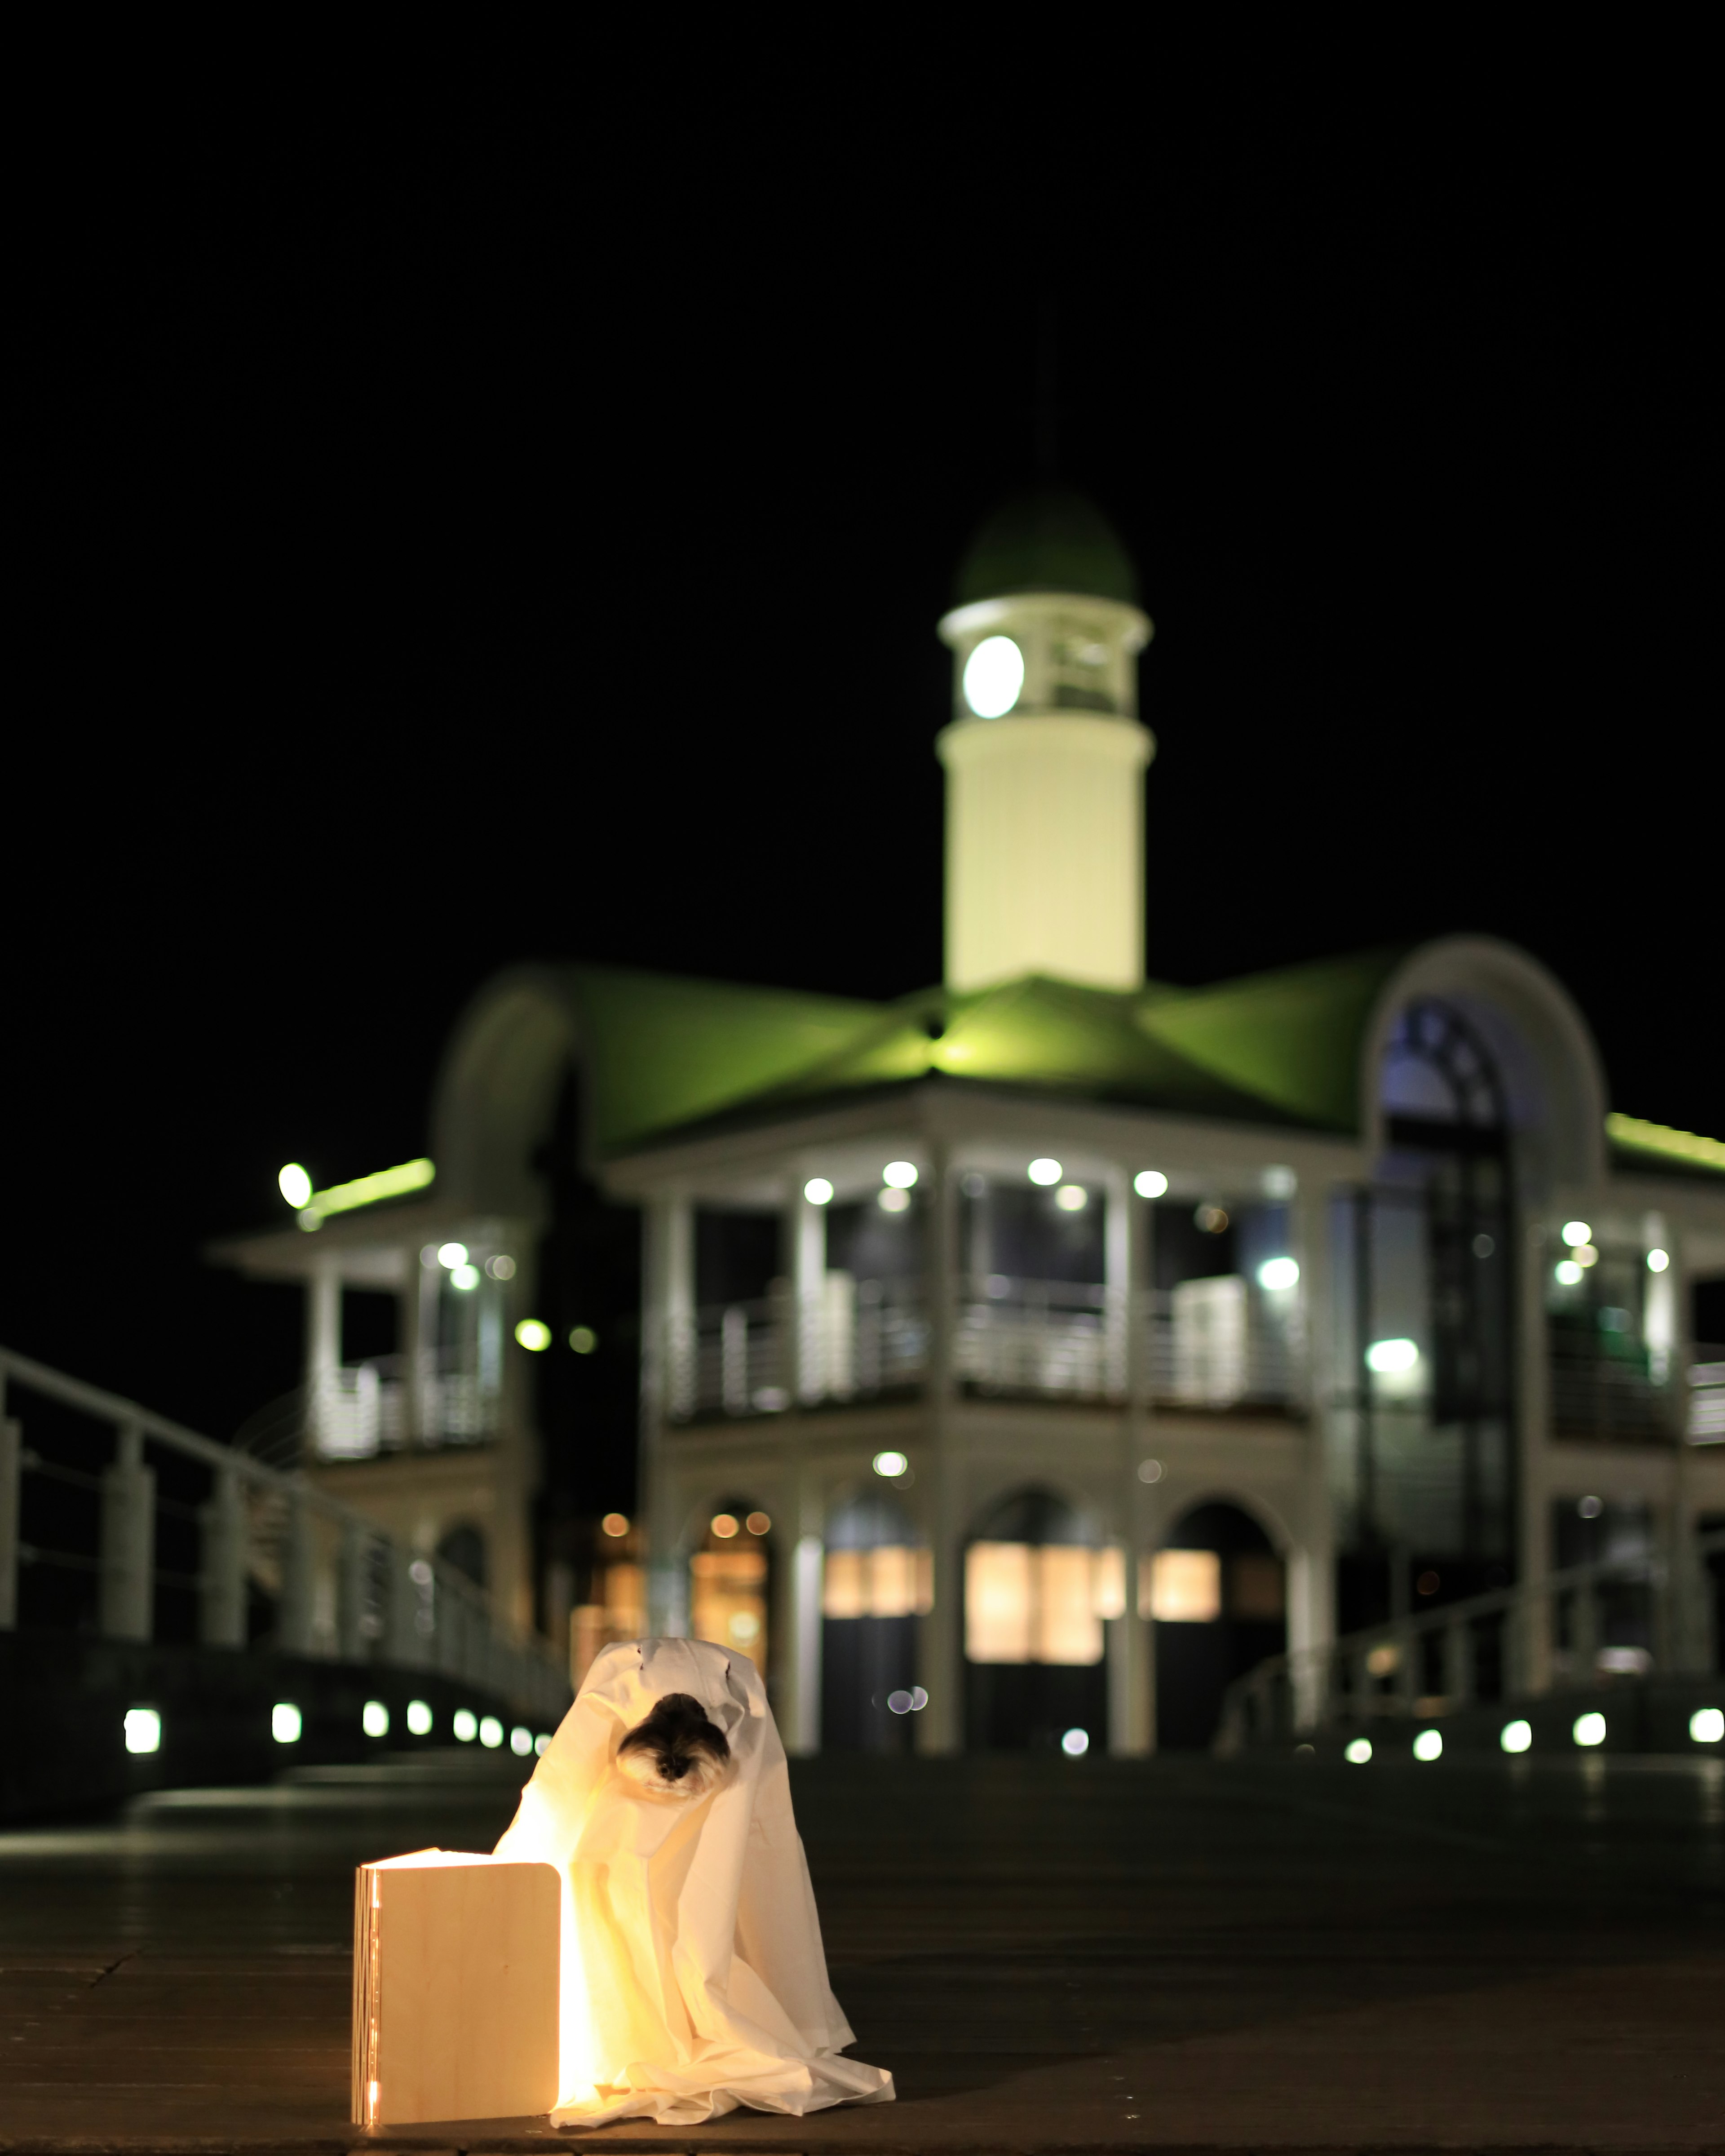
(464, 1724)
(1071, 1197)
(1576, 1233)
(418, 1718)
(1590, 1729)
(1568, 1273)
(374, 1718)
(521, 1742)
(818, 1190)
(899, 1174)
(889, 1464)
(893, 1201)
(143, 1729)
(1045, 1172)
(1706, 1725)
(451, 1254)
(286, 1723)
(1278, 1273)
(1516, 1736)
(1150, 1471)
(534, 1334)
(1076, 1743)
(466, 1278)
(295, 1185)
(1429, 1745)
(1151, 1183)
(1358, 1751)
(490, 1732)
(1658, 1260)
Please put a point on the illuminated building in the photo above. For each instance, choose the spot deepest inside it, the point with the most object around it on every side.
(1021, 1359)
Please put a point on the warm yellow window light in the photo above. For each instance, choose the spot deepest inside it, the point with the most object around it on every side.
(1186, 1586)
(894, 1580)
(759, 1523)
(1028, 1603)
(724, 1525)
(615, 1523)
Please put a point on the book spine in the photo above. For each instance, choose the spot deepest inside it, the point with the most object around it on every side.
(367, 1995)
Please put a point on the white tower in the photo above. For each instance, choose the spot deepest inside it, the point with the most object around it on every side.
(1045, 756)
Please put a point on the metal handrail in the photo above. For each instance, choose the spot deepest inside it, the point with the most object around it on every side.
(290, 1488)
(1408, 1632)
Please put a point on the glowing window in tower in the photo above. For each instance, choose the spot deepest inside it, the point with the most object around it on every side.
(994, 676)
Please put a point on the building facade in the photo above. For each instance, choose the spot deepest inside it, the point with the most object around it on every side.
(1018, 1362)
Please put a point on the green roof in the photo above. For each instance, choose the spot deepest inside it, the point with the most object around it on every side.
(1048, 539)
(666, 1052)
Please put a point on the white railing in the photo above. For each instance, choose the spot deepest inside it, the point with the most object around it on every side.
(1209, 1345)
(342, 1588)
(362, 1409)
(1519, 1643)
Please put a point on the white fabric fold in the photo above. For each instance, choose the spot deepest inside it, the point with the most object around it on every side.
(694, 1979)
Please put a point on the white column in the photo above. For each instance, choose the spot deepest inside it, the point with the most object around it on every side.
(128, 1541)
(940, 1727)
(805, 1229)
(353, 1641)
(11, 1467)
(323, 1343)
(1131, 1671)
(667, 1383)
(802, 1635)
(221, 1607)
(1533, 1446)
(296, 1609)
(1311, 1566)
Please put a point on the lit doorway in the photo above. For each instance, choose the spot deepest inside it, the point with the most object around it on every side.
(1217, 1596)
(1037, 1586)
(730, 1581)
(876, 1581)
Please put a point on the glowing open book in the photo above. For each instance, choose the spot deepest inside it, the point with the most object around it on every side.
(454, 1988)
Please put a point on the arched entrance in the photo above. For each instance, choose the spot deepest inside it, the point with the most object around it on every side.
(875, 1580)
(730, 1581)
(1037, 1586)
(1218, 1596)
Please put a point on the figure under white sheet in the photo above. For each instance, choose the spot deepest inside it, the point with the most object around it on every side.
(693, 1975)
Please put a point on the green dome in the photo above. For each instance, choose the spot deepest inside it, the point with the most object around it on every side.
(1048, 539)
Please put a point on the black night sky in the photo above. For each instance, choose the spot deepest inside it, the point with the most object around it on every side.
(467, 522)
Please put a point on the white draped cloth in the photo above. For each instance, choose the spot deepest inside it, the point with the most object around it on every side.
(694, 1979)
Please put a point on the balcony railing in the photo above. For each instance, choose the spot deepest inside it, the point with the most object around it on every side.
(361, 1410)
(1635, 1395)
(1209, 1345)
